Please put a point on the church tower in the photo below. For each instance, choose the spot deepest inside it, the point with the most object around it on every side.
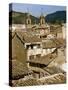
(28, 19)
(42, 19)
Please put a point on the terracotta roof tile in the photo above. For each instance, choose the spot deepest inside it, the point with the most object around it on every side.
(18, 69)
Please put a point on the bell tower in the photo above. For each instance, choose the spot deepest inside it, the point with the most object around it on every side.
(42, 19)
(28, 19)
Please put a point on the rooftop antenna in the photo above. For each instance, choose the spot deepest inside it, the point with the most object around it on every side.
(27, 10)
(28, 14)
(42, 11)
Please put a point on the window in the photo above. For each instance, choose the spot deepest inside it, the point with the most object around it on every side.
(38, 55)
(31, 46)
(27, 46)
(31, 57)
(38, 45)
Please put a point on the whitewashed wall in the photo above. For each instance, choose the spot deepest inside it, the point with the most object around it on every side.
(47, 51)
(41, 51)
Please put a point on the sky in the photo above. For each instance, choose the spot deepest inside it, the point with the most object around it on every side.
(36, 9)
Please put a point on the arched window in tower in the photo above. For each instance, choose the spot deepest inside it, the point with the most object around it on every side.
(42, 20)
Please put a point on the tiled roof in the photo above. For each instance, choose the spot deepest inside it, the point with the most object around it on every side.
(26, 38)
(53, 70)
(18, 69)
(18, 66)
(54, 79)
(49, 44)
(28, 82)
(32, 39)
(53, 43)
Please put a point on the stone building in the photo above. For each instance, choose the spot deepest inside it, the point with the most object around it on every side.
(58, 30)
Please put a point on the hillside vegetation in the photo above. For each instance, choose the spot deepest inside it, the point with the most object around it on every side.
(57, 17)
(20, 18)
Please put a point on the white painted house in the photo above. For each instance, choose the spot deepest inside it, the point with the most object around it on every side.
(36, 48)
